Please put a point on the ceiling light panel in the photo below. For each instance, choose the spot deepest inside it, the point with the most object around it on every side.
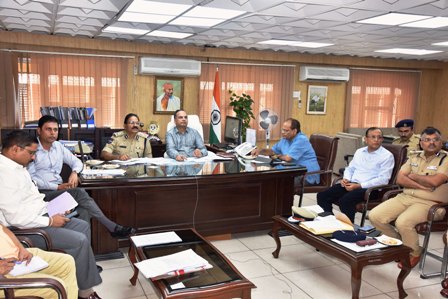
(408, 51)
(160, 8)
(437, 22)
(169, 34)
(144, 18)
(115, 29)
(393, 19)
(196, 22)
(444, 44)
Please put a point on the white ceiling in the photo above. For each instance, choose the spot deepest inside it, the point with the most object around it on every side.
(325, 21)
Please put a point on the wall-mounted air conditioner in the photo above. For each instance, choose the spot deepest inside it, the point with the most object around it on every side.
(322, 73)
(169, 66)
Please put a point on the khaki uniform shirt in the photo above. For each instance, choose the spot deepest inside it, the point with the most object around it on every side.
(121, 144)
(413, 143)
(418, 164)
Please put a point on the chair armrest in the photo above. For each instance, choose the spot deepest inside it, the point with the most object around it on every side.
(336, 181)
(433, 210)
(32, 283)
(319, 172)
(25, 241)
(34, 232)
(391, 193)
(381, 190)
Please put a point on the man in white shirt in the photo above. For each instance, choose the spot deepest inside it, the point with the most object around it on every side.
(46, 168)
(22, 206)
(371, 166)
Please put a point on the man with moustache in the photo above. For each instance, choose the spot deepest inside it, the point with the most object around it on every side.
(405, 129)
(371, 166)
(22, 206)
(424, 177)
(45, 171)
(129, 143)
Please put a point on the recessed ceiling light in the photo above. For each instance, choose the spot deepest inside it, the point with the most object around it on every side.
(436, 22)
(408, 51)
(196, 22)
(393, 19)
(292, 43)
(144, 18)
(155, 7)
(115, 29)
(169, 34)
(445, 44)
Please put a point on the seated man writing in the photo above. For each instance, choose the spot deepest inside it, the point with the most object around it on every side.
(22, 206)
(129, 143)
(46, 168)
(182, 141)
(296, 148)
(371, 166)
(424, 177)
(60, 266)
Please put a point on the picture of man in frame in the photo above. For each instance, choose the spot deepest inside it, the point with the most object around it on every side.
(167, 101)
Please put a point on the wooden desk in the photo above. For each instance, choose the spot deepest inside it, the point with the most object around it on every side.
(221, 281)
(356, 261)
(213, 198)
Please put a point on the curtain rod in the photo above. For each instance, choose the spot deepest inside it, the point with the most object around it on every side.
(386, 70)
(67, 53)
(241, 63)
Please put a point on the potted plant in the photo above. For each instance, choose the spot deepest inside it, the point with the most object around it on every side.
(242, 106)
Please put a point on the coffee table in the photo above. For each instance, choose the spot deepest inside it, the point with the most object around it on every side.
(220, 282)
(356, 260)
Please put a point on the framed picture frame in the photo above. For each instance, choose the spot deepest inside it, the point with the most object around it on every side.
(169, 94)
(317, 100)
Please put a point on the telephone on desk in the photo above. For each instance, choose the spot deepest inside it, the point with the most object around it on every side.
(244, 149)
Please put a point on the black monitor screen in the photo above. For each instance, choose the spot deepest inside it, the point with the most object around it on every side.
(232, 131)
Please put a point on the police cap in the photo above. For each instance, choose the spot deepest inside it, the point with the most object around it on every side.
(405, 123)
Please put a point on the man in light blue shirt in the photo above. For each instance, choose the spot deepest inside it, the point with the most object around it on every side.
(182, 141)
(46, 168)
(294, 147)
(371, 166)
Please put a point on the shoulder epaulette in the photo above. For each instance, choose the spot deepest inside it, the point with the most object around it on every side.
(118, 134)
(142, 134)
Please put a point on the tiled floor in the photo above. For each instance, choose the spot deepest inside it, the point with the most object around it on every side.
(299, 272)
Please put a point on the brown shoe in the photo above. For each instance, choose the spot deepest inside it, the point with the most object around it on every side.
(413, 260)
(444, 293)
(94, 295)
(444, 283)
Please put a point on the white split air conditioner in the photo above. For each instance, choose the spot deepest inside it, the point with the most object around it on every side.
(169, 66)
(322, 73)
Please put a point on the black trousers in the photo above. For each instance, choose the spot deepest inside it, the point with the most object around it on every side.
(346, 200)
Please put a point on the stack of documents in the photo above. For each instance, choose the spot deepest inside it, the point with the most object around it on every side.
(155, 239)
(101, 172)
(172, 265)
(36, 264)
(326, 225)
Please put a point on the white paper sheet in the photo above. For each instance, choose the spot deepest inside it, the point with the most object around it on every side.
(60, 204)
(154, 239)
(35, 265)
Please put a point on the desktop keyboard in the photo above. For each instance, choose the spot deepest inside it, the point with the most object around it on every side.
(224, 146)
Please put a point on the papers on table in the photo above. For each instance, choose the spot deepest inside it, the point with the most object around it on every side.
(356, 248)
(36, 264)
(180, 263)
(101, 172)
(154, 239)
(325, 225)
(60, 204)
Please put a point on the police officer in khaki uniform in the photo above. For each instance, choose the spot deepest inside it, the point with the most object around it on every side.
(424, 178)
(129, 143)
(407, 137)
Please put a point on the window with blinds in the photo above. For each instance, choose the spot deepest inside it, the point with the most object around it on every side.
(73, 81)
(269, 86)
(380, 98)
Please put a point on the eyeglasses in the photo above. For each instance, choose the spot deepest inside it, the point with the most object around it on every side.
(430, 139)
(375, 137)
(32, 153)
(51, 129)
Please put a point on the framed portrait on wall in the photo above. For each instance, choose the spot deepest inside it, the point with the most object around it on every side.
(169, 92)
(317, 100)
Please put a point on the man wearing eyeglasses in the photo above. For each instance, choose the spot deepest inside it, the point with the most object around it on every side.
(371, 166)
(129, 143)
(45, 171)
(424, 177)
(405, 129)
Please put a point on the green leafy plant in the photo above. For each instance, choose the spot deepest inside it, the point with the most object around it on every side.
(242, 106)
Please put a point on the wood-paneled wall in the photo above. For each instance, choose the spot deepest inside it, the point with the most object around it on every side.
(431, 104)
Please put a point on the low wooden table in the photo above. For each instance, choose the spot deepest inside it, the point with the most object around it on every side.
(356, 260)
(220, 282)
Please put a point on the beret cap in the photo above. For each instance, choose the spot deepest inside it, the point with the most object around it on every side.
(405, 123)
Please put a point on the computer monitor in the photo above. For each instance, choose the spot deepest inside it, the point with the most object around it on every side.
(232, 131)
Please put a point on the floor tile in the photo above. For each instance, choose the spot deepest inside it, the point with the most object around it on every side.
(276, 286)
(229, 246)
(116, 284)
(251, 265)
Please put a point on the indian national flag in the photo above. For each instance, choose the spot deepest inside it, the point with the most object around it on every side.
(215, 115)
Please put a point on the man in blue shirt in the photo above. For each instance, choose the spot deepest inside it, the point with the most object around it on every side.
(294, 147)
(182, 141)
(371, 166)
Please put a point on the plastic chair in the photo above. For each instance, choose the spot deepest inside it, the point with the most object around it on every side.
(325, 148)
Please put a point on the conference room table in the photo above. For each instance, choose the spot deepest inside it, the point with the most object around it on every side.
(213, 197)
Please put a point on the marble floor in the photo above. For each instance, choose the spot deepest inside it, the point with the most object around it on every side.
(300, 272)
